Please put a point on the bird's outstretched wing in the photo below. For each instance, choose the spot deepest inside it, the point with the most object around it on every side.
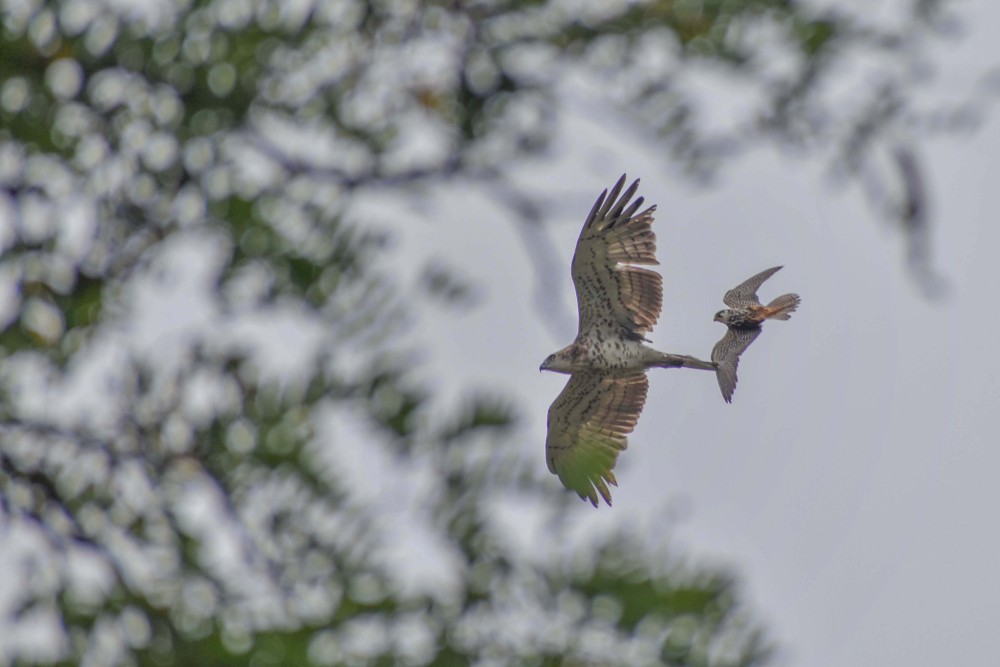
(745, 294)
(613, 295)
(726, 354)
(588, 425)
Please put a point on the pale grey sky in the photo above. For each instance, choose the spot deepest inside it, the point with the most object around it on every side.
(852, 481)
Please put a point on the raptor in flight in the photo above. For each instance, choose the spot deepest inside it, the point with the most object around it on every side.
(743, 319)
(618, 303)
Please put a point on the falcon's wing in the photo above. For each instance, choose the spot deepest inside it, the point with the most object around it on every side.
(745, 294)
(588, 423)
(726, 354)
(611, 294)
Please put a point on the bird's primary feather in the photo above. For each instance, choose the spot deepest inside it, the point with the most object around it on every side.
(588, 424)
(745, 294)
(726, 354)
(611, 293)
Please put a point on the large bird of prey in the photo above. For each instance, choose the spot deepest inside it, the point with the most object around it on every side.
(618, 302)
(743, 319)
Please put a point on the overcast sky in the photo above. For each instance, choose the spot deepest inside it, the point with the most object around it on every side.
(852, 482)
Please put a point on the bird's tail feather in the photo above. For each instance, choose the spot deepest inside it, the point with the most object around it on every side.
(783, 307)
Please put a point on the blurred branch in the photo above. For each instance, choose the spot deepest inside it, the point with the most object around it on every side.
(915, 220)
(41, 481)
(907, 205)
(541, 253)
(353, 180)
(527, 213)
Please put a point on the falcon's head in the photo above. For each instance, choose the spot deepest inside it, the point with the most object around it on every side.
(723, 316)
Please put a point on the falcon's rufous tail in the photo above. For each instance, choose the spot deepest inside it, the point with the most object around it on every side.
(782, 307)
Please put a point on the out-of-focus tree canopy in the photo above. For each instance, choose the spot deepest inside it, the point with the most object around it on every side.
(194, 333)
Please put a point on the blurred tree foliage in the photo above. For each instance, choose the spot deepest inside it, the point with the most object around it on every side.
(179, 493)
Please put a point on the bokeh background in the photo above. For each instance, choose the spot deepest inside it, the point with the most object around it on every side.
(277, 278)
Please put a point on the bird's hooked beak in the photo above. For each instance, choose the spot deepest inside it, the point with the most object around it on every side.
(546, 364)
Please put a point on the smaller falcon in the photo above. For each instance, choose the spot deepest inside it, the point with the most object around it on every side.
(743, 319)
